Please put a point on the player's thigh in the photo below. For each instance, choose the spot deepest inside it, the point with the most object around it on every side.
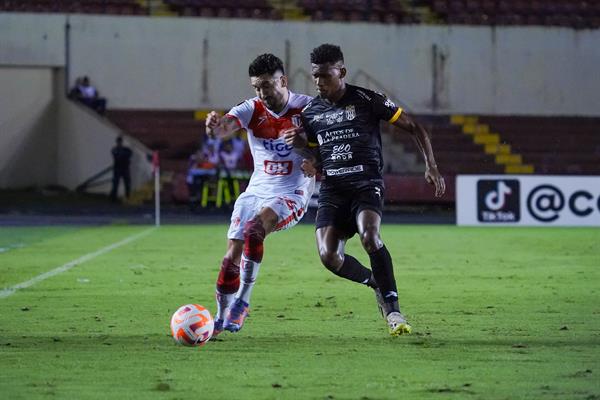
(334, 211)
(369, 222)
(331, 241)
(367, 208)
(246, 207)
(368, 198)
(289, 210)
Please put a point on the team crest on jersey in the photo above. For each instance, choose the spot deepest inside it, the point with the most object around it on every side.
(350, 112)
(296, 121)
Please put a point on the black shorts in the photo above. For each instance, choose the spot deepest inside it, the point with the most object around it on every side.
(340, 208)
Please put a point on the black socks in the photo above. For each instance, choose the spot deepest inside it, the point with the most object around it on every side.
(353, 270)
(383, 270)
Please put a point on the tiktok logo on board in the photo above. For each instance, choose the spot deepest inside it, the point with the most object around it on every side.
(498, 200)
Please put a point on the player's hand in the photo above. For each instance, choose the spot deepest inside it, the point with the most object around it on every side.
(212, 120)
(294, 137)
(433, 177)
(308, 167)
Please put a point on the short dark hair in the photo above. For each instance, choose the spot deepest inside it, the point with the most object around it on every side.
(265, 64)
(326, 53)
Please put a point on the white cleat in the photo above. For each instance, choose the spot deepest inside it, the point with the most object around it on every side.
(397, 324)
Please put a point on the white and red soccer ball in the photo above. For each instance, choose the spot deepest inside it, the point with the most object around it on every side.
(192, 325)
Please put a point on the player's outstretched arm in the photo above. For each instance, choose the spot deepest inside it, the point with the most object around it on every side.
(219, 126)
(423, 142)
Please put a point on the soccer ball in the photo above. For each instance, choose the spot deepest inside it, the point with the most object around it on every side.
(192, 325)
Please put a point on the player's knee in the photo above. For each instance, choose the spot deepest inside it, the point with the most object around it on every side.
(254, 235)
(254, 230)
(331, 260)
(370, 240)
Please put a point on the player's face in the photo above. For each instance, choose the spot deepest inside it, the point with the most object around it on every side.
(271, 90)
(329, 78)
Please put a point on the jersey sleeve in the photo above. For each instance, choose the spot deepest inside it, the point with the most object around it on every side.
(243, 113)
(384, 108)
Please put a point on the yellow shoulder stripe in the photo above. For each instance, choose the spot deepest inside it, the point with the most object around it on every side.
(396, 116)
(312, 144)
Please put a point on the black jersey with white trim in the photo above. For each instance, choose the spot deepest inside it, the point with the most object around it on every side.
(348, 135)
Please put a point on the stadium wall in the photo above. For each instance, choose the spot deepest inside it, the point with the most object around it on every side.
(32, 40)
(189, 63)
(84, 142)
(27, 127)
(46, 139)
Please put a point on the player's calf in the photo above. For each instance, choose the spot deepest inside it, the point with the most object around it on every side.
(228, 283)
(348, 267)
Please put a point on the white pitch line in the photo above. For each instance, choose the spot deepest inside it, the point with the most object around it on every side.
(10, 290)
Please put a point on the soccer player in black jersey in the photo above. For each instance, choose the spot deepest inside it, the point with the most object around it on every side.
(342, 123)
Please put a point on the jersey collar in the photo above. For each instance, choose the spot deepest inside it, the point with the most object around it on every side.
(340, 100)
(285, 108)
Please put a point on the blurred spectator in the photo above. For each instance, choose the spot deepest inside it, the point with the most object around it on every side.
(200, 168)
(121, 160)
(240, 147)
(239, 144)
(87, 94)
(210, 148)
(229, 156)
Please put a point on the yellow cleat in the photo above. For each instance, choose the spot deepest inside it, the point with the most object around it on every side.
(397, 324)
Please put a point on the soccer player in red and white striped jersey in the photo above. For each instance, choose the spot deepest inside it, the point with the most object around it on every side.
(278, 192)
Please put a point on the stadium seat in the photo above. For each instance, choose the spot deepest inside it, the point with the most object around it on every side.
(256, 9)
(130, 7)
(578, 14)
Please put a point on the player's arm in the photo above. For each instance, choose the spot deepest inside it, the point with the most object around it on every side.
(223, 127)
(297, 138)
(311, 160)
(423, 142)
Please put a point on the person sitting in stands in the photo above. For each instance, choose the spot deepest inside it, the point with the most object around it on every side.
(87, 94)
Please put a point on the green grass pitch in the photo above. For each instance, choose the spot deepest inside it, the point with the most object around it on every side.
(497, 313)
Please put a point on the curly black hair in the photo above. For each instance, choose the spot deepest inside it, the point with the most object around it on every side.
(326, 53)
(265, 64)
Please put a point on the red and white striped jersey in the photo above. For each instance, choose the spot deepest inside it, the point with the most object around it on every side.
(276, 165)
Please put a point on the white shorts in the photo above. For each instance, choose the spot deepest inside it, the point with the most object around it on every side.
(290, 209)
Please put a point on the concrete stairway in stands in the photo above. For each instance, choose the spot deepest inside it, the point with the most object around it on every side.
(554, 145)
(455, 152)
